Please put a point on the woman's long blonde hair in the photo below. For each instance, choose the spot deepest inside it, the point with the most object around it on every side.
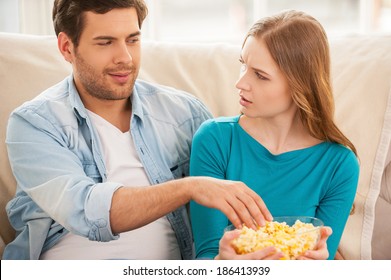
(299, 45)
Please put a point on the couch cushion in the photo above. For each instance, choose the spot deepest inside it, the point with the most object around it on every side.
(361, 70)
(381, 241)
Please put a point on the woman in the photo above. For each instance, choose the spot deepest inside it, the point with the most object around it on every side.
(284, 144)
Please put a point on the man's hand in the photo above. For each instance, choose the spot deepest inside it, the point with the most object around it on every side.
(237, 201)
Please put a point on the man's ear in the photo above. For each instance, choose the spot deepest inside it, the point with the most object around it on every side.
(65, 46)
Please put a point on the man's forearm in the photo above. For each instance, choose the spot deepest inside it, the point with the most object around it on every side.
(134, 207)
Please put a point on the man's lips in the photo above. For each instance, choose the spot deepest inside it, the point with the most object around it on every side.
(121, 77)
(121, 74)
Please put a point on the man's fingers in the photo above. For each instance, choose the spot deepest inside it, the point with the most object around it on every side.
(243, 214)
(258, 210)
(250, 208)
(231, 214)
(238, 202)
(260, 204)
(245, 209)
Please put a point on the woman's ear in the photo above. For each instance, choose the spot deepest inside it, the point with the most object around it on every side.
(65, 46)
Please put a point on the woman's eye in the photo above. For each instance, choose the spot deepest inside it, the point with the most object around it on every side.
(259, 76)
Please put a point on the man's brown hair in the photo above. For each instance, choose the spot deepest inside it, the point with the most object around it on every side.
(68, 15)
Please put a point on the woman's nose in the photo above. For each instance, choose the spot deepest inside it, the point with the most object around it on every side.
(242, 83)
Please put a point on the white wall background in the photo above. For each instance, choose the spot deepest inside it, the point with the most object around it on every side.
(214, 20)
(26, 16)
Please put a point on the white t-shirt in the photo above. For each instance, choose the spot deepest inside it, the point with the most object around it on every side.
(154, 241)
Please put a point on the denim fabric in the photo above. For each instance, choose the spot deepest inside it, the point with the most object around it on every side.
(57, 161)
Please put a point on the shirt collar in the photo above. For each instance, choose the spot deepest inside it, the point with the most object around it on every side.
(80, 110)
(137, 108)
(75, 100)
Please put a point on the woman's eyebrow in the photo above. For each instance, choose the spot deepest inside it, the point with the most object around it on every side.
(260, 70)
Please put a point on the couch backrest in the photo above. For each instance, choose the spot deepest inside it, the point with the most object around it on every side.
(361, 68)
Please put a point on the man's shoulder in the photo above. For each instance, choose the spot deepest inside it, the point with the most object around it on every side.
(52, 94)
(152, 90)
(164, 102)
(52, 106)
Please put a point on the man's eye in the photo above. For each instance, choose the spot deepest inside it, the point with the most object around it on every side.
(104, 43)
(132, 41)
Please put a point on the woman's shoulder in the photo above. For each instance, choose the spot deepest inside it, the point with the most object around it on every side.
(339, 149)
(220, 127)
(221, 122)
(342, 154)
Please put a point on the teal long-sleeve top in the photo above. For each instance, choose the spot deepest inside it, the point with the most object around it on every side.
(319, 181)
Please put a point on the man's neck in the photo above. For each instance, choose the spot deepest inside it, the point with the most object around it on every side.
(116, 112)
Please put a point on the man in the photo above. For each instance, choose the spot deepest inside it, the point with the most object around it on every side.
(96, 155)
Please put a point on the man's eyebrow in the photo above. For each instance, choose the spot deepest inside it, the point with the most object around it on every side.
(104, 37)
(138, 33)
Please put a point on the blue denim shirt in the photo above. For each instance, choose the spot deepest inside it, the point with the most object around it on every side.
(58, 164)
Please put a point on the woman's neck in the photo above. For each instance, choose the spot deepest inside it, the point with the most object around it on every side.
(279, 135)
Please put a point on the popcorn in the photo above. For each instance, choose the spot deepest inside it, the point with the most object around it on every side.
(292, 241)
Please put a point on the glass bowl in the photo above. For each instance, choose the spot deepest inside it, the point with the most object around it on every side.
(292, 235)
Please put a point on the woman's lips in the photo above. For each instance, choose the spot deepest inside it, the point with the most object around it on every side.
(244, 102)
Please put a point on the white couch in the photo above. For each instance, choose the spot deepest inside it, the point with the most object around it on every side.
(361, 69)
